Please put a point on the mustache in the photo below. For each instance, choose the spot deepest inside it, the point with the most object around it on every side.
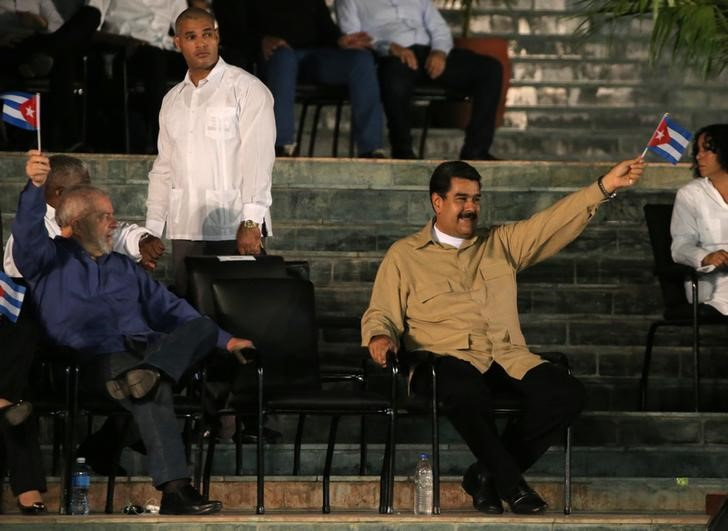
(468, 215)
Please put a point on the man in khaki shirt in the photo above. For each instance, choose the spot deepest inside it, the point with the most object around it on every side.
(449, 291)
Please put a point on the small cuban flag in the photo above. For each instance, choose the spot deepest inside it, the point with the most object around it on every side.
(11, 297)
(21, 109)
(670, 140)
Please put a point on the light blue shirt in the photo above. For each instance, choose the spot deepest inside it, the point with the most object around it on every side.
(404, 22)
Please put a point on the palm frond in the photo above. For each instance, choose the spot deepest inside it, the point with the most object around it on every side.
(695, 30)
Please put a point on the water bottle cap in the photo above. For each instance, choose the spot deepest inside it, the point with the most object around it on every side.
(81, 460)
(424, 456)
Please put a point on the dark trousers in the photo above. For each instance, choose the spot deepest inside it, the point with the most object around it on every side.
(184, 248)
(468, 73)
(552, 400)
(154, 415)
(22, 449)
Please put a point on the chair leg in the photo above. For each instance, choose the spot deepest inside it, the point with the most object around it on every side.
(567, 470)
(696, 348)
(301, 124)
(425, 130)
(337, 129)
(363, 446)
(260, 508)
(297, 444)
(111, 479)
(214, 429)
(69, 447)
(646, 364)
(186, 436)
(57, 434)
(238, 446)
(200, 452)
(314, 129)
(435, 446)
(326, 508)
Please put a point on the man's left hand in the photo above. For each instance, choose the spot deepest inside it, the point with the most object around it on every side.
(250, 241)
(435, 64)
(624, 175)
(151, 249)
(236, 345)
(360, 40)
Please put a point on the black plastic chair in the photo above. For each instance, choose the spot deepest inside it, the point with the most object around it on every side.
(678, 311)
(505, 404)
(279, 316)
(318, 96)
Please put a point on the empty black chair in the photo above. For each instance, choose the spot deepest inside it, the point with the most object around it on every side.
(278, 316)
(319, 96)
(505, 403)
(677, 310)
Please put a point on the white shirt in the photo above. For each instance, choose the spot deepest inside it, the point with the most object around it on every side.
(146, 20)
(9, 22)
(216, 155)
(126, 240)
(700, 226)
(441, 237)
(404, 22)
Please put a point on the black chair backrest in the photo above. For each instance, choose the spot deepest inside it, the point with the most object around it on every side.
(278, 315)
(203, 270)
(670, 275)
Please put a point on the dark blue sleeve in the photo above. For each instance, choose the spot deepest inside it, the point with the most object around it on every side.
(164, 311)
(33, 250)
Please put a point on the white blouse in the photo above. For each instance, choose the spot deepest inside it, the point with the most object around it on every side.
(700, 226)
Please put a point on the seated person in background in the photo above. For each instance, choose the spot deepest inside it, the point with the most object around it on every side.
(65, 172)
(298, 40)
(699, 224)
(414, 45)
(135, 338)
(452, 292)
(151, 53)
(36, 41)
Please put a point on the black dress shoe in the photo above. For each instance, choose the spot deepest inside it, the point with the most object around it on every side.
(32, 510)
(525, 500)
(481, 487)
(186, 500)
(15, 413)
(136, 383)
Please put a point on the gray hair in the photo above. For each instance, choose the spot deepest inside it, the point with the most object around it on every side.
(77, 202)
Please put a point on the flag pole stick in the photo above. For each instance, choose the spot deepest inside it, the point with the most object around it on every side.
(658, 125)
(37, 117)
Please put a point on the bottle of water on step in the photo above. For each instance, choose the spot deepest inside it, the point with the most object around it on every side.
(423, 485)
(80, 483)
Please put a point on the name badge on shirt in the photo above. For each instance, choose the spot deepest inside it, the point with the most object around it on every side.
(220, 123)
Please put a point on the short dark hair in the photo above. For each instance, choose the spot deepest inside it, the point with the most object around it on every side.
(193, 13)
(716, 140)
(443, 174)
(67, 171)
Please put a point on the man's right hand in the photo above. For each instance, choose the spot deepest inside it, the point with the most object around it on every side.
(719, 259)
(379, 346)
(404, 54)
(270, 44)
(37, 167)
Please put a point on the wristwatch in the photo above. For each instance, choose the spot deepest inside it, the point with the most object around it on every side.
(250, 224)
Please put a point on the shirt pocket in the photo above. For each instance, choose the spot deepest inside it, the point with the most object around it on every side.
(221, 123)
(223, 211)
(432, 291)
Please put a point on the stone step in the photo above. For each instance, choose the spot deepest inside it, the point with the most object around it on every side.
(663, 499)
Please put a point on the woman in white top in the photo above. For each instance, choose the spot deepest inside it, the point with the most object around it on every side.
(699, 225)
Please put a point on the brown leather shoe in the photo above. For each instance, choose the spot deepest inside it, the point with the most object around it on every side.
(136, 383)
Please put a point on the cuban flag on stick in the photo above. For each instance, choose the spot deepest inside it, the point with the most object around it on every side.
(670, 140)
(11, 297)
(22, 109)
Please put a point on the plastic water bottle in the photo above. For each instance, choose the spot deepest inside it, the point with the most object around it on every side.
(80, 482)
(423, 485)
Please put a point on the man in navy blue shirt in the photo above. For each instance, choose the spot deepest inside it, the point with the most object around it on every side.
(136, 337)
